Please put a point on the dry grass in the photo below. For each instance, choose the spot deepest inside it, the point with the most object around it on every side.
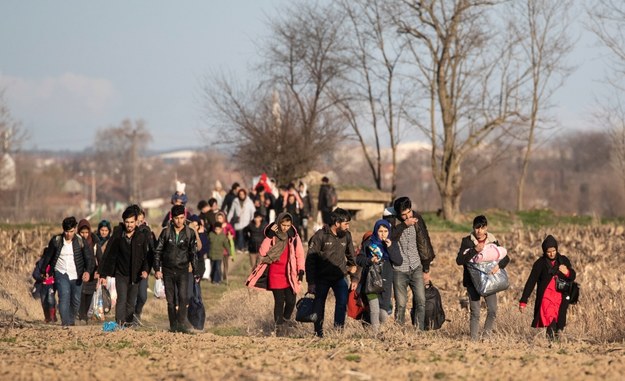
(238, 342)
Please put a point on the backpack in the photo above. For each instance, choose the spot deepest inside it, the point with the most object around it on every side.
(434, 313)
(333, 199)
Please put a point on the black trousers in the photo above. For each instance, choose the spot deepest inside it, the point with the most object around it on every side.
(126, 299)
(177, 295)
(142, 297)
(284, 304)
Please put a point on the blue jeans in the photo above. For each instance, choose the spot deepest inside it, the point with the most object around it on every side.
(69, 297)
(340, 289)
(215, 271)
(414, 280)
(240, 241)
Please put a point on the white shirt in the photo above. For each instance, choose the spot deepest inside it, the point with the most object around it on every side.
(65, 264)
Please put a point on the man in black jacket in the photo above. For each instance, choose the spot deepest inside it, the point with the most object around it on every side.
(326, 200)
(126, 258)
(416, 250)
(72, 262)
(175, 250)
(470, 246)
(330, 258)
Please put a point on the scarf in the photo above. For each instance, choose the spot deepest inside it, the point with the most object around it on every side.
(281, 240)
(376, 245)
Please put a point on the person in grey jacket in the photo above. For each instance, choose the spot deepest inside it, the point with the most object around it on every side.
(175, 250)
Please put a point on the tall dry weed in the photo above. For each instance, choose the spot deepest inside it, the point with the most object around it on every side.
(596, 253)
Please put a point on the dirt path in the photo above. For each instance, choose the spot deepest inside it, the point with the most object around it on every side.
(238, 343)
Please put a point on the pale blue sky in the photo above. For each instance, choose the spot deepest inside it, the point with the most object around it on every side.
(71, 67)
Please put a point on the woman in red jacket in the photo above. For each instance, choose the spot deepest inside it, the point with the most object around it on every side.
(551, 305)
(281, 268)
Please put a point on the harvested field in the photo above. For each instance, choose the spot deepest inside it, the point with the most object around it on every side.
(238, 342)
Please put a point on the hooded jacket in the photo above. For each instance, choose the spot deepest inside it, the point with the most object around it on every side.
(94, 244)
(541, 275)
(259, 279)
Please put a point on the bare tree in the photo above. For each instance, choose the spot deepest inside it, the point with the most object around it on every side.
(122, 148)
(545, 42)
(607, 22)
(12, 136)
(471, 83)
(289, 121)
(373, 96)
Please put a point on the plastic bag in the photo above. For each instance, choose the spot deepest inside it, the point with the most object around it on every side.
(196, 312)
(107, 302)
(97, 305)
(355, 307)
(318, 222)
(486, 283)
(110, 285)
(207, 272)
(159, 289)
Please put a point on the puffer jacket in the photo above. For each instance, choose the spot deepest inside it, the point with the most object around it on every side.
(171, 256)
(83, 258)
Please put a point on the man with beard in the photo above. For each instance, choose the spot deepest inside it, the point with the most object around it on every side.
(126, 258)
(330, 259)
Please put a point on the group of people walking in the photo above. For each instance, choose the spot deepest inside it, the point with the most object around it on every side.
(399, 252)
(394, 256)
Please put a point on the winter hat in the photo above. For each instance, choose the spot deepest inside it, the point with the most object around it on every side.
(178, 196)
(390, 211)
(550, 241)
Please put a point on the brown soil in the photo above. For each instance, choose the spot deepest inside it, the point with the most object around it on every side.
(238, 343)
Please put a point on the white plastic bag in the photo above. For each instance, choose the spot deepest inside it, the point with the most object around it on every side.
(98, 305)
(318, 222)
(159, 289)
(110, 285)
(207, 272)
(486, 283)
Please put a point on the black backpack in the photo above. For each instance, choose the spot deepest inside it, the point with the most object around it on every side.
(434, 313)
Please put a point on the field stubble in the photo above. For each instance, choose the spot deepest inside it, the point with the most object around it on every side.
(238, 342)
